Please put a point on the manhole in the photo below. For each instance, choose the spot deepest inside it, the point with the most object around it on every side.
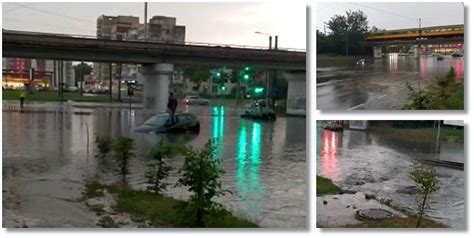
(374, 214)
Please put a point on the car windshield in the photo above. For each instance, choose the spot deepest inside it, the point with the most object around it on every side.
(157, 120)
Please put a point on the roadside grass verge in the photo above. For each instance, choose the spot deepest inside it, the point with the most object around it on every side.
(325, 186)
(163, 211)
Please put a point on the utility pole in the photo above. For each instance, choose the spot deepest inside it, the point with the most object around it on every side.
(110, 81)
(419, 26)
(119, 67)
(81, 78)
(274, 79)
(146, 21)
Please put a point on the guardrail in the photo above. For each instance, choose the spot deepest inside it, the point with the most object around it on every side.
(190, 43)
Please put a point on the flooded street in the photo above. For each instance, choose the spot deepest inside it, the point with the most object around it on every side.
(380, 85)
(48, 156)
(375, 163)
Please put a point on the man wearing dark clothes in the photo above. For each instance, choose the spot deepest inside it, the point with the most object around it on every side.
(172, 105)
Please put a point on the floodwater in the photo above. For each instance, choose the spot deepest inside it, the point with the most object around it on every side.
(379, 85)
(373, 163)
(47, 157)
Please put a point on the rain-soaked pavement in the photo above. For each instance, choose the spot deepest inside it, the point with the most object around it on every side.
(374, 163)
(46, 162)
(381, 85)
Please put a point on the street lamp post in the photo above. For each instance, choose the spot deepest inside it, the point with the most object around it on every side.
(267, 75)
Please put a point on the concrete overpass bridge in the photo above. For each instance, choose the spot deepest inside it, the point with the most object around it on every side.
(158, 59)
(436, 35)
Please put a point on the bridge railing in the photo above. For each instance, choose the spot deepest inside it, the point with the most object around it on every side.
(190, 43)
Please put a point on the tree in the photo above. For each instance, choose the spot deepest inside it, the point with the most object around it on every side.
(123, 152)
(426, 184)
(201, 175)
(80, 70)
(197, 74)
(104, 145)
(347, 33)
(157, 170)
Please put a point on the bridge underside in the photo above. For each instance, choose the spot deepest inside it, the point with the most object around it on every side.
(458, 40)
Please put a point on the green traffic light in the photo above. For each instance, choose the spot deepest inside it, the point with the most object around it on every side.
(218, 74)
(247, 68)
(246, 77)
(223, 88)
(258, 90)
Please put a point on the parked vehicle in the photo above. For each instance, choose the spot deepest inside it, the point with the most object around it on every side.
(160, 123)
(191, 100)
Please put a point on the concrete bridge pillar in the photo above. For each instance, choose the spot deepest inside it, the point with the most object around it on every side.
(156, 87)
(296, 99)
(416, 51)
(377, 52)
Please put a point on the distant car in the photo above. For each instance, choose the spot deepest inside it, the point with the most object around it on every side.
(159, 123)
(363, 61)
(259, 110)
(191, 100)
(71, 89)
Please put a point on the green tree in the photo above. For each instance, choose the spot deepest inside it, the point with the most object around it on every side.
(104, 145)
(157, 170)
(348, 30)
(201, 175)
(426, 184)
(81, 70)
(197, 74)
(123, 152)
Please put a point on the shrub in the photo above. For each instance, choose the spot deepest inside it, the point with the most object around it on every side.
(201, 174)
(104, 145)
(123, 152)
(426, 184)
(157, 170)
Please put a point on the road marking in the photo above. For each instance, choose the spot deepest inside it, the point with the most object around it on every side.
(360, 105)
(382, 96)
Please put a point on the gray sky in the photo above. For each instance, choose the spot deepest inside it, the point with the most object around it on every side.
(228, 23)
(396, 15)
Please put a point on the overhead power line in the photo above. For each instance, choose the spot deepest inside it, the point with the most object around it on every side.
(384, 11)
(54, 13)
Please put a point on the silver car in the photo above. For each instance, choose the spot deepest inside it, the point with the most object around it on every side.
(160, 123)
(191, 100)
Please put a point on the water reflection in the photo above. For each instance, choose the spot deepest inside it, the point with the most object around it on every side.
(218, 124)
(248, 167)
(378, 162)
(264, 163)
(393, 61)
(330, 143)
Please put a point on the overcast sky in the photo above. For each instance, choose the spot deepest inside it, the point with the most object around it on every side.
(395, 15)
(228, 23)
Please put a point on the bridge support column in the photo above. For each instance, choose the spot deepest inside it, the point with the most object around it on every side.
(416, 51)
(156, 87)
(377, 52)
(296, 97)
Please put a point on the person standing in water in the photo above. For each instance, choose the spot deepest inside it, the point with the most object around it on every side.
(22, 99)
(172, 105)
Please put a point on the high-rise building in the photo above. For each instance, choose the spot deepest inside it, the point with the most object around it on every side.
(115, 28)
(159, 29)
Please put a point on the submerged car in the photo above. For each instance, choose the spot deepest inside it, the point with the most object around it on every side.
(259, 110)
(190, 100)
(160, 123)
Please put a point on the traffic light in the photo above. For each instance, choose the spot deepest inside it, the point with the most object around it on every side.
(258, 90)
(223, 87)
(247, 74)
